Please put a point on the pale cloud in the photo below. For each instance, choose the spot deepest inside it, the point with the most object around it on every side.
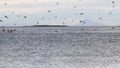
(111, 21)
(92, 8)
(14, 2)
(25, 10)
(25, 6)
(44, 5)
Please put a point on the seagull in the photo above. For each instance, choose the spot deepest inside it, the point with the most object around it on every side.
(1, 20)
(6, 17)
(57, 3)
(43, 17)
(37, 23)
(100, 18)
(18, 15)
(63, 23)
(74, 7)
(55, 17)
(25, 17)
(5, 3)
(15, 24)
(72, 20)
(49, 11)
(12, 12)
(81, 13)
(113, 2)
(82, 22)
(76, 13)
(113, 6)
(109, 13)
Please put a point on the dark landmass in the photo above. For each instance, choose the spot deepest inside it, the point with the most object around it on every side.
(49, 26)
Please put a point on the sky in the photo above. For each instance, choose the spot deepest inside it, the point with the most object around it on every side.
(58, 12)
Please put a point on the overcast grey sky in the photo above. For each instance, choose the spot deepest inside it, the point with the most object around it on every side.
(13, 12)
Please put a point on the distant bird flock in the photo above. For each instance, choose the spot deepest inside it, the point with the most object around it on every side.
(50, 11)
(8, 30)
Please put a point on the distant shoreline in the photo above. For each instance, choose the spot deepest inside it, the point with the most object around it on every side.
(53, 26)
(49, 26)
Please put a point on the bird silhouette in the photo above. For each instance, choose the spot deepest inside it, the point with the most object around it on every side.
(5, 3)
(25, 17)
(1, 20)
(82, 22)
(81, 13)
(63, 23)
(57, 3)
(74, 7)
(100, 18)
(72, 20)
(55, 17)
(76, 13)
(6, 17)
(18, 15)
(43, 17)
(12, 12)
(113, 2)
(109, 13)
(37, 23)
(15, 24)
(49, 11)
(113, 6)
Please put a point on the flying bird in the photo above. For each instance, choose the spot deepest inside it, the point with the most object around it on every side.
(43, 17)
(113, 2)
(100, 18)
(12, 12)
(5, 3)
(6, 17)
(82, 22)
(25, 17)
(76, 13)
(57, 3)
(72, 20)
(109, 13)
(81, 13)
(74, 7)
(18, 15)
(113, 6)
(15, 24)
(49, 11)
(55, 17)
(1, 20)
(63, 23)
(37, 23)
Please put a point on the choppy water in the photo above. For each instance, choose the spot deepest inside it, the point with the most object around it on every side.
(63, 47)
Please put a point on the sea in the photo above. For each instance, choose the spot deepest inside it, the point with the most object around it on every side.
(60, 47)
